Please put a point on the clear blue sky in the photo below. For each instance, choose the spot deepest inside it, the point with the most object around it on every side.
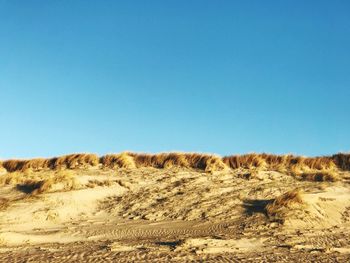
(210, 76)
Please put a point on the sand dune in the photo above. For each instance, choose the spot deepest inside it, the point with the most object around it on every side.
(175, 208)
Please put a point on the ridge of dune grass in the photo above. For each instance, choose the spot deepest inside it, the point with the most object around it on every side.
(295, 165)
(206, 162)
(316, 169)
(70, 161)
(161, 160)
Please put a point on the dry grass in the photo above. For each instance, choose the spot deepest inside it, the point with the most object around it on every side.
(14, 178)
(299, 164)
(319, 163)
(342, 160)
(319, 176)
(246, 161)
(61, 181)
(276, 162)
(39, 182)
(214, 164)
(34, 187)
(149, 160)
(285, 202)
(175, 160)
(122, 160)
(13, 165)
(73, 161)
(308, 168)
(23, 165)
(94, 183)
(197, 160)
(4, 203)
(206, 162)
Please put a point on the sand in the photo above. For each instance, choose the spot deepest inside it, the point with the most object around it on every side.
(175, 215)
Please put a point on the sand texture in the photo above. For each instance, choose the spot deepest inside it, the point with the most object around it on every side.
(172, 214)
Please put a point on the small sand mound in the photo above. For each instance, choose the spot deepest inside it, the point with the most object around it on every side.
(36, 183)
(323, 209)
(281, 207)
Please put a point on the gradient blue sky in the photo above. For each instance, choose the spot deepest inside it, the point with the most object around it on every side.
(210, 76)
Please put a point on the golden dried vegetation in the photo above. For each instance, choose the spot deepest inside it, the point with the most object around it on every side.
(94, 183)
(246, 161)
(320, 176)
(36, 183)
(162, 160)
(122, 160)
(71, 161)
(206, 162)
(4, 203)
(308, 168)
(305, 168)
(284, 203)
(342, 161)
(74, 161)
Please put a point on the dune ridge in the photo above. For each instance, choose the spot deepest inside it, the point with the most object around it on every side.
(322, 168)
(187, 206)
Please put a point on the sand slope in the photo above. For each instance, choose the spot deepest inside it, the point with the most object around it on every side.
(175, 215)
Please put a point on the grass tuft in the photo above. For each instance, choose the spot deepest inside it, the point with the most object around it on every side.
(282, 204)
(342, 160)
(122, 160)
(319, 176)
(246, 161)
(40, 182)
